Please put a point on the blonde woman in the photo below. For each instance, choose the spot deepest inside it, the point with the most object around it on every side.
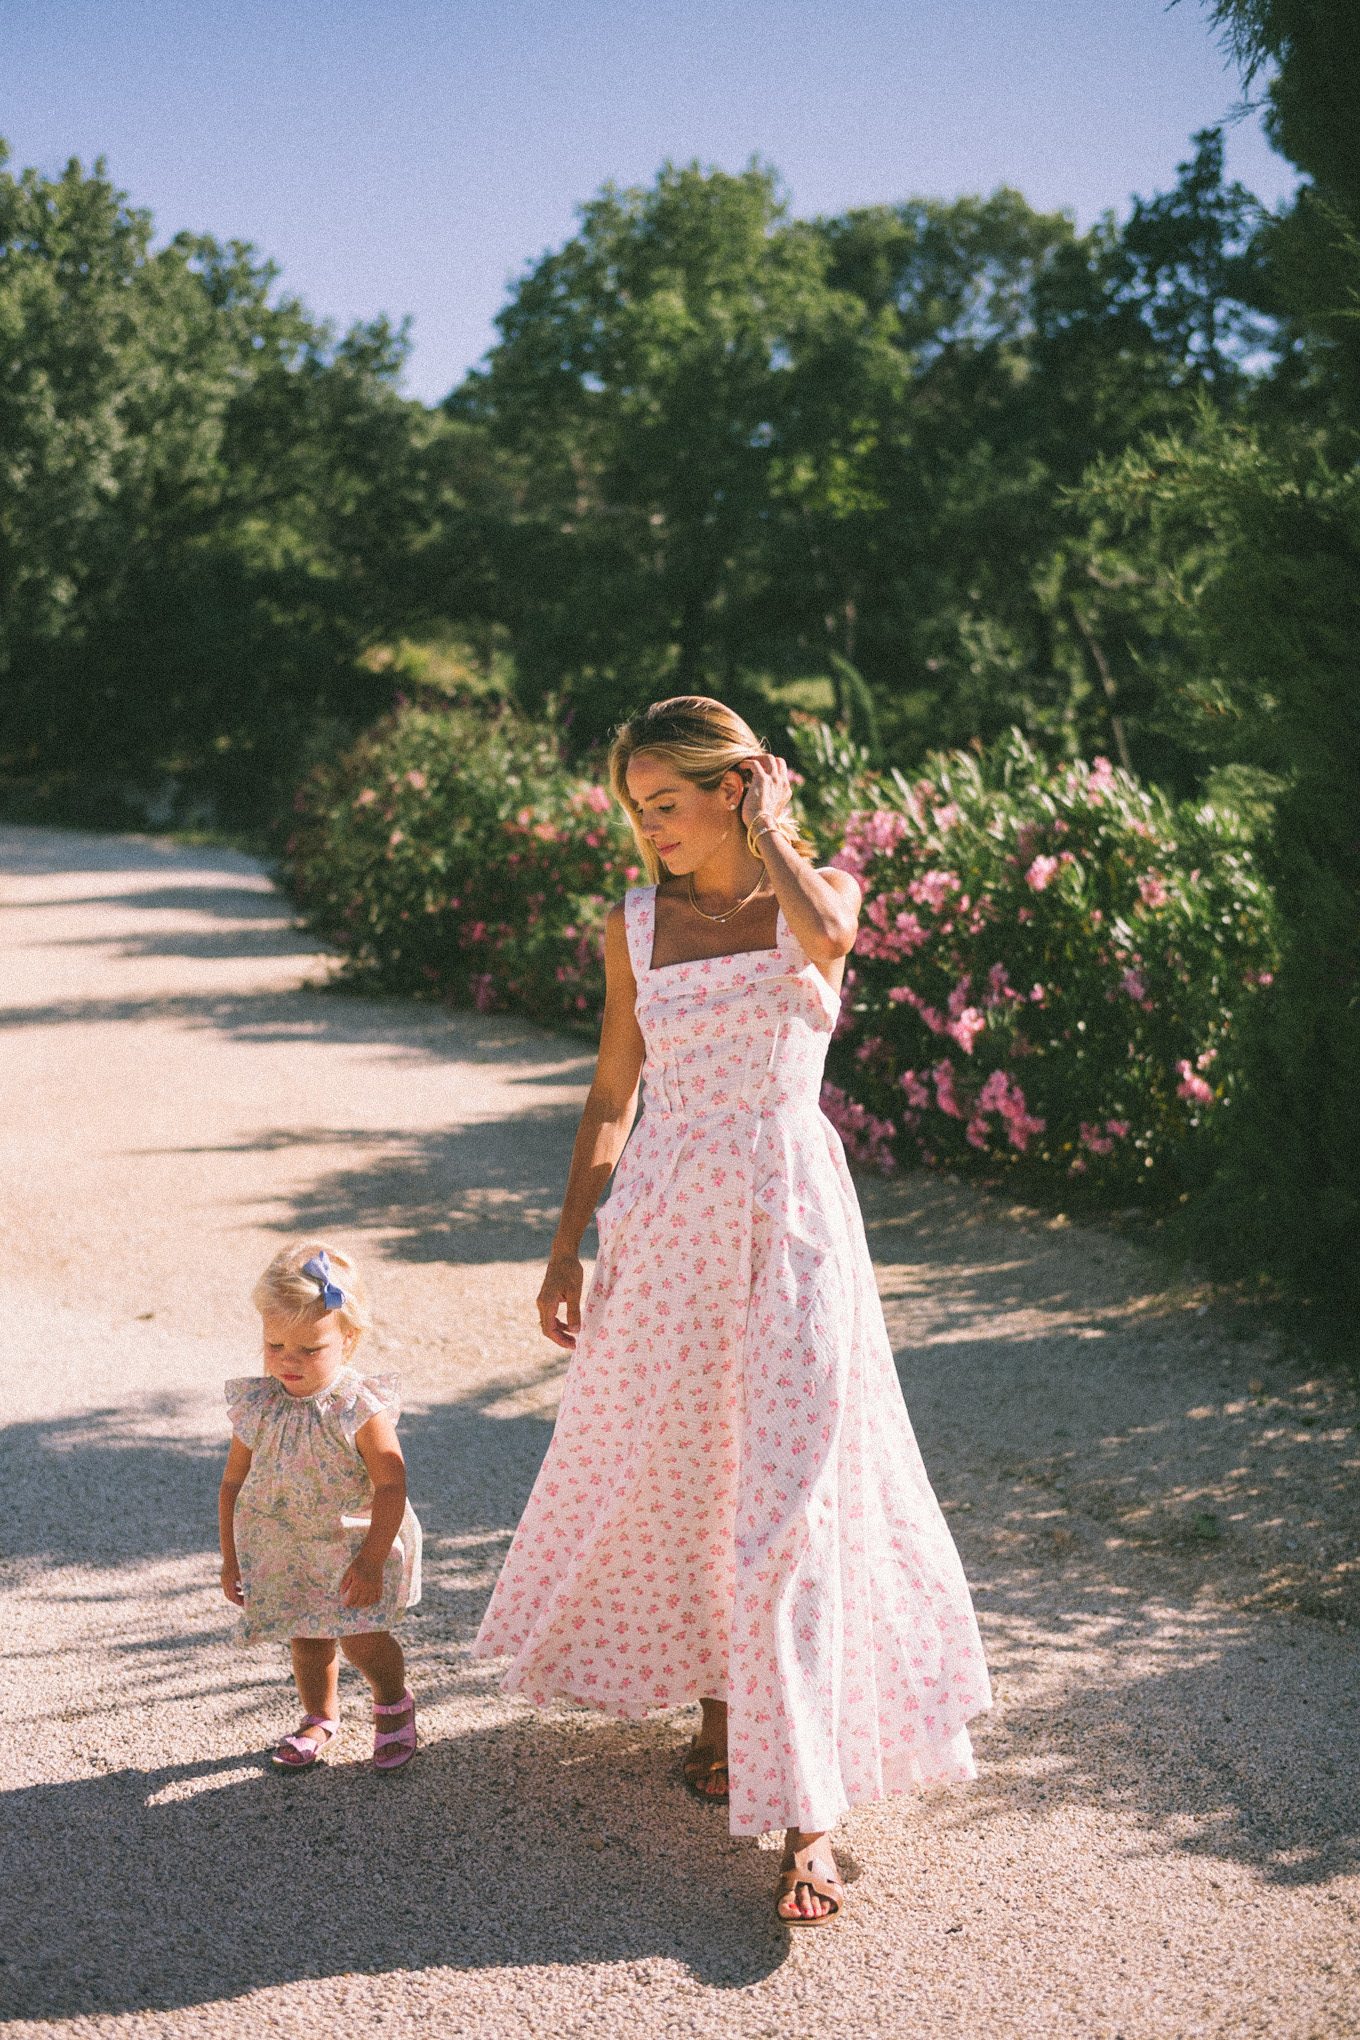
(733, 1508)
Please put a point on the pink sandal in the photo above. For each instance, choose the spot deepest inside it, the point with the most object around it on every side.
(405, 1736)
(304, 1753)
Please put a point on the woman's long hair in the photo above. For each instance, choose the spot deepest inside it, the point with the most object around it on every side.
(704, 740)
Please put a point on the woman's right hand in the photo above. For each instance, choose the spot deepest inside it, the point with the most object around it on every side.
(231, 1583)
(562, 1283)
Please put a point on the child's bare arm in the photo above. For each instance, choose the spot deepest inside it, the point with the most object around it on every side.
(381, 1454)
(233, 1480)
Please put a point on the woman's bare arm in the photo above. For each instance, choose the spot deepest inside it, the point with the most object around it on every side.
(605, 1125)
(821, 907)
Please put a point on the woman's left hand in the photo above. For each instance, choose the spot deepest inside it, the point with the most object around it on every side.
(770, 791)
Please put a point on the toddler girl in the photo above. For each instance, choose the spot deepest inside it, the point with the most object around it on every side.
(319, 1542)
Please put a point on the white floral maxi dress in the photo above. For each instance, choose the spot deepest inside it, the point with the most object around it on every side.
(303, 1510)
(733, 1503)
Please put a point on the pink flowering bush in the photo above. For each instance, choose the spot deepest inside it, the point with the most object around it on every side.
(453, 855)
(1049, 972)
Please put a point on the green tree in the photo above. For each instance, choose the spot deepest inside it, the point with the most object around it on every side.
(208, 506)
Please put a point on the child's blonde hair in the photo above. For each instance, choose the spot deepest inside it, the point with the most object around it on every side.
(703, 740)
(285, 1291)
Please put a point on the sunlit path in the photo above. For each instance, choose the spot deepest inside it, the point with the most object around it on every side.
(1165, 1838)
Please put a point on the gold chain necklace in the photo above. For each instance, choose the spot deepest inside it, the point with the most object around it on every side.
(727, 916)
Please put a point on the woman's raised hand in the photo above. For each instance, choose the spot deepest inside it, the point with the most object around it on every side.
(769, 791)
(561, 1291)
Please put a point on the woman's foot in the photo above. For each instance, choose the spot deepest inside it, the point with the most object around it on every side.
(299, 1751)
(810, 1888)
(706, 1772)
(706, 1759)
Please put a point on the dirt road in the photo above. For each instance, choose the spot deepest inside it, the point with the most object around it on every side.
(1157, 1510)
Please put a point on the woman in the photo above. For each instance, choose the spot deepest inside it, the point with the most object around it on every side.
(733, 1508)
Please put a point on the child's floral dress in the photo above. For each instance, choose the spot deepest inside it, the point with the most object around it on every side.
(303, 1510)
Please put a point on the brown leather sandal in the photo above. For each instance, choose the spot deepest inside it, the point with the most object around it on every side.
(697, 1772)
(805, 1866)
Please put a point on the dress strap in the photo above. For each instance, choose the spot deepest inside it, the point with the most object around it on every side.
(639, 920)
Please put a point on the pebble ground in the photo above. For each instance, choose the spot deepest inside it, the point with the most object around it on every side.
(1154, 1496)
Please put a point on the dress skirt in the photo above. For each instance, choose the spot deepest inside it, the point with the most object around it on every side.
(733, 1504)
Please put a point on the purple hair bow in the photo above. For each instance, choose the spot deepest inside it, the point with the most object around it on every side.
(319, 1268)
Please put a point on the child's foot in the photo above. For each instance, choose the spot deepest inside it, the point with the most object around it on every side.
(299, 1751)
(395, 1746)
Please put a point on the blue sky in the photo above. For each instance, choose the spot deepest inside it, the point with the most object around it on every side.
(415, 155)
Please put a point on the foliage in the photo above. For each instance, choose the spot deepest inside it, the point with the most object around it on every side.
(731, 443)
(450, 853)
(208, 506)
(1050, 974)
(1255, 547)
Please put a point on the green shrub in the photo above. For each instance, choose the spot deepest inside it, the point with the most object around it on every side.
(451, 854)
(1048, 974)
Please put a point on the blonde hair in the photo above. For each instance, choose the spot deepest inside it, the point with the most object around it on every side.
(704, 740)
(284, 1291)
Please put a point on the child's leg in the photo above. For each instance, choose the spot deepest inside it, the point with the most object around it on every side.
(317, 1672)
(378, 1656)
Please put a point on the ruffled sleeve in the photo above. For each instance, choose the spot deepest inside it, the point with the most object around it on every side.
(366, 1397)
(245, 1405)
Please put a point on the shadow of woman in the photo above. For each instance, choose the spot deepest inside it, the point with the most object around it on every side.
(509, 1845)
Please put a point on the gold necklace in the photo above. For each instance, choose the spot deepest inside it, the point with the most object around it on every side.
(720, 918)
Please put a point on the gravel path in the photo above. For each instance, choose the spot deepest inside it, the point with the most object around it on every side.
(1156, 1509)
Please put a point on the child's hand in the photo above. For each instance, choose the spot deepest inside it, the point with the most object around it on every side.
(362, 1584)
(231, 1585)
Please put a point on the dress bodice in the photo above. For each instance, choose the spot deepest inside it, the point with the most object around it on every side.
(729, 1034)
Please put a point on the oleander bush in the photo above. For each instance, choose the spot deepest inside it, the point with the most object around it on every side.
(450, 853)
(1049, 976)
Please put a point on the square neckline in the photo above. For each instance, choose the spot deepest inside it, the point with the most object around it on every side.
(781, 928)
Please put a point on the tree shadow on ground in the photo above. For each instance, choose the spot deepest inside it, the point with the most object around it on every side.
(28, 852)
(520, 1844)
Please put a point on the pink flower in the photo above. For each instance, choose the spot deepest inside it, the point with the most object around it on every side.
(1118, 1127)
(1002, 1094)
(917, 1094)
(1134, 985)
(866, 1138)
(966, 1027)
(945, 817)
(366, 798)
(417, 780)
(869, 835)
(1036, 997)
(932, 888)
(632, 873)
(1040, 872)
(1099, 779)
(943, 1074)
(1095, 1140)
(598, 799)
(1151, 891)
(1192, 1088)
(395, 838)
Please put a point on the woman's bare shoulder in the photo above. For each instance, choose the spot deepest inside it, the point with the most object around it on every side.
(843, 882)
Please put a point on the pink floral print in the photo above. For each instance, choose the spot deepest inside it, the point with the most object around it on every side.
(303, 1511)
(733, 1503)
